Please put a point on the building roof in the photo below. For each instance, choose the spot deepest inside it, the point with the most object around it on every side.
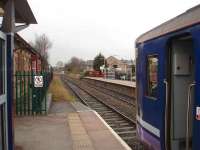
(112, 58)
(23, 15)
(128, 62)
(187, 19)
(23, 12)
(25, 45)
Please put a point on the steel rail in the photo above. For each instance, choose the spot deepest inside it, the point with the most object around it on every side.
(124, 127)
(127, 118)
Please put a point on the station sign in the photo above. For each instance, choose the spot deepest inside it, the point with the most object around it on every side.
(38, 81)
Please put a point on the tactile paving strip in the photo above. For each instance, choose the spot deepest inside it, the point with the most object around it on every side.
(81, 140)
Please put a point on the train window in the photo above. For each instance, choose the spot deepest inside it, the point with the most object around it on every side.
(152, 75)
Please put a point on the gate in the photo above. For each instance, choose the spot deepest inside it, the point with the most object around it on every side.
(30, 92)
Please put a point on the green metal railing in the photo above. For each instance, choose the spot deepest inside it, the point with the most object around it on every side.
(29, 98)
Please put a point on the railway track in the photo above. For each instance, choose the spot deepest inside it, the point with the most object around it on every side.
(121, 124)
(118, 95)
(123, 107)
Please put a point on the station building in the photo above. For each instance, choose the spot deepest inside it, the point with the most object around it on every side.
(26, 58)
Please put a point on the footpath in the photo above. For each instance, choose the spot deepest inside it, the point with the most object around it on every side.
(68, 126)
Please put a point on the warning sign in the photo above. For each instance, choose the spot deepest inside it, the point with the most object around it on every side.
(38, 81)
(198, 113)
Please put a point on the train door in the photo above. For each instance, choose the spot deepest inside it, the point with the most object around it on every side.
(181, 82)
(3, 99)
(150, 87)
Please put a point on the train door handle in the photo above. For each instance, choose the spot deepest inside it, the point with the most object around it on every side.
(188, 114)
(166, 112)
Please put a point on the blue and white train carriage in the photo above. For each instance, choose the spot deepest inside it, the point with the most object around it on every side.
(168, 84)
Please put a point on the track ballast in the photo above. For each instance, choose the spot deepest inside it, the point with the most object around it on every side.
(121, 124)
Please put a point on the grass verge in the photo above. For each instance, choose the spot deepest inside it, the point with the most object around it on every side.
(59, 92)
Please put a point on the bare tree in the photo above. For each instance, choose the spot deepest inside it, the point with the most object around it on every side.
(42, 44)
(75, 65)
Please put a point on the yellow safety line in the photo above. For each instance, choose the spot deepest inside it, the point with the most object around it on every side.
(81, 140)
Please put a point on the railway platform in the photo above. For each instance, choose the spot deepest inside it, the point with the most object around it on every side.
(118, 82)
(90, 131)
(119, 86)
(68, 126)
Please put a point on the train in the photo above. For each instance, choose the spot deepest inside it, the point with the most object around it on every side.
(168, 84)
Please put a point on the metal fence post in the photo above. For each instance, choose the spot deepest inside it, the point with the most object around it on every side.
(24, 92)
(28, 94)
(16, 94)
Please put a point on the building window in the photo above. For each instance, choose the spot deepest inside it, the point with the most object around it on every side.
(152, 75)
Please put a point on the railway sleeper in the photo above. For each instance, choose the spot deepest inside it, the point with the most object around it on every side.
(119, 124)
(92, 99)
(117, 119)
(108, 112)
(105, 116)
(114, 117)
(124, 129)
(136, 145)
(127, 133)
(96, 104)
(118, 127)
(129, 139)
(99, 109)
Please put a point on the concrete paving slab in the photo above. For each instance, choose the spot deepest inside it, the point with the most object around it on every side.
(66, 129)
(61, 106)
(105, 137)
(91, 122)
(43, 133)
(81, 140)
(99, 132)
(79, 106)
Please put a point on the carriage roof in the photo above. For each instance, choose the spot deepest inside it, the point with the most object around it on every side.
(187, 19)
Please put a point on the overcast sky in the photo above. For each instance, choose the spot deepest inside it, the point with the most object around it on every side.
(83, 28)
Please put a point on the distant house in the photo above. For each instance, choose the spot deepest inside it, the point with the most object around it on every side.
(114, 63)
(129, 65)
(121, 69)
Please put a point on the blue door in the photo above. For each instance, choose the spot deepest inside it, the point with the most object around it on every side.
(152, 75)
(196, 88)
